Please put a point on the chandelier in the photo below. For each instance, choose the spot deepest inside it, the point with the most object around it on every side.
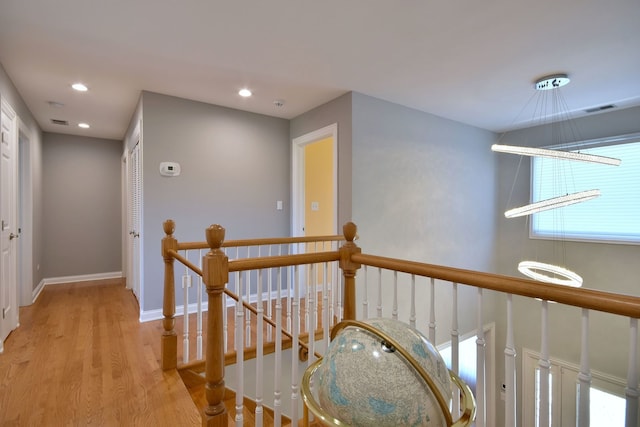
(536, 270)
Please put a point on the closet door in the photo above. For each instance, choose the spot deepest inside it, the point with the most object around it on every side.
(135, 208)
(8, 218)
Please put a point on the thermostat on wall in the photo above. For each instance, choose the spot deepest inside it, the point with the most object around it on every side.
(169, 169)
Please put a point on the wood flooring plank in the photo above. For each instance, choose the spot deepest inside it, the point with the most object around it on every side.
(81, 358)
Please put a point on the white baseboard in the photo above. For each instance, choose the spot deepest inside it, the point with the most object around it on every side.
(72, 279)
(156, 314)
(82, 278)
(36, 292)
(149, 315)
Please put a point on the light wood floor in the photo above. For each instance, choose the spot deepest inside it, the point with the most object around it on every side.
(80, 357)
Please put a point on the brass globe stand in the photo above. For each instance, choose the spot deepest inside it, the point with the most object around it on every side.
(467, 400)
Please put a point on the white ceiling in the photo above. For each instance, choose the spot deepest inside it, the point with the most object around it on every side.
(467, 60)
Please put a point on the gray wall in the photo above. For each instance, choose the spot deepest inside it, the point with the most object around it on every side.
(607, 267)
(9, 92)
(424, 190)
(337, 111)
(235, 166)
(82, 205)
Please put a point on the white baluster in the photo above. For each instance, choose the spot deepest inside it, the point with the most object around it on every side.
(314, 292)
(290, 273)
(239, 329)
(544, 366)
(309, 300)
(247, 315)
(270, 299)
(631, 391)
(394, 310)
(379, 306)
(480, 367)
(277, 394)
(584, 377)
(325, 307)
(312, 314)
(294, 348)
(186, 284)
(412, 313)
(259, 352)
(199, 313)
(510, 369)
(339, 293)
(335, 284)
(432, 312)
(365, 300)
(455, 347)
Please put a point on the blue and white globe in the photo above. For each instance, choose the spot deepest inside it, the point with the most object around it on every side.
(364, 381)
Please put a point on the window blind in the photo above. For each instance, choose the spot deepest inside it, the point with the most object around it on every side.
(613, 217)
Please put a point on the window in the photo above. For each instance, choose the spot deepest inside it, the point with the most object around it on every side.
(607, 404)
(467, 366)
(612, 217)
(606, 409)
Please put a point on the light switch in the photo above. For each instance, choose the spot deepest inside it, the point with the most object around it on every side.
(315, 206)
(279, 205)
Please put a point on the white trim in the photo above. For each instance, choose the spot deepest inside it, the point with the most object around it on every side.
(150, 315)
(72, 279)
(25, 213)
(156, 314)
(560, 368)
(82, 278)
(36, 292)
(490, 367)
(297, 175)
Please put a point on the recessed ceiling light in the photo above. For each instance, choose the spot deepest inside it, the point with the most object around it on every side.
(245, 93)
(83, 125)
(80, 87)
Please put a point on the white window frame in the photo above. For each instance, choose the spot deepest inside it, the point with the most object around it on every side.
(564, 385)
(587, 235)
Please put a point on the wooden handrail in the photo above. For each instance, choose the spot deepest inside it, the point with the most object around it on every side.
(283, 261)
(263, 242)
(217, 266)
(624, 305)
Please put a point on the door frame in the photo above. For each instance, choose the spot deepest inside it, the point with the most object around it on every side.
(25, 215)
(298, 177)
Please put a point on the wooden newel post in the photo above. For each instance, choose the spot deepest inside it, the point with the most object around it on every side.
(169, 341)
(349, 269)
(215, 274)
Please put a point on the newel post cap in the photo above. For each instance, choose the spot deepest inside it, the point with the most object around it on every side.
(169, 226)
(350, 230)
(215, 236)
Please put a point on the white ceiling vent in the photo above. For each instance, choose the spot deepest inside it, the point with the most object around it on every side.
(60, 122)
(601, 108)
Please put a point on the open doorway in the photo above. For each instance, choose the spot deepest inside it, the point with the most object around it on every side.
(315, 182)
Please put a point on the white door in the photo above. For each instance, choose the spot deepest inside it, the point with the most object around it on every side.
(135, 196)
(8, 216)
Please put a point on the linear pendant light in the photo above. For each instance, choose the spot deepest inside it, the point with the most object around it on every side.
(553, 203)
(555, 154)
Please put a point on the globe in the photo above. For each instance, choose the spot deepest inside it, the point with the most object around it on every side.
(363, 380)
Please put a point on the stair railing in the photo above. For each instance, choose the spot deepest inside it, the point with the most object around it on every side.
(216, 269)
